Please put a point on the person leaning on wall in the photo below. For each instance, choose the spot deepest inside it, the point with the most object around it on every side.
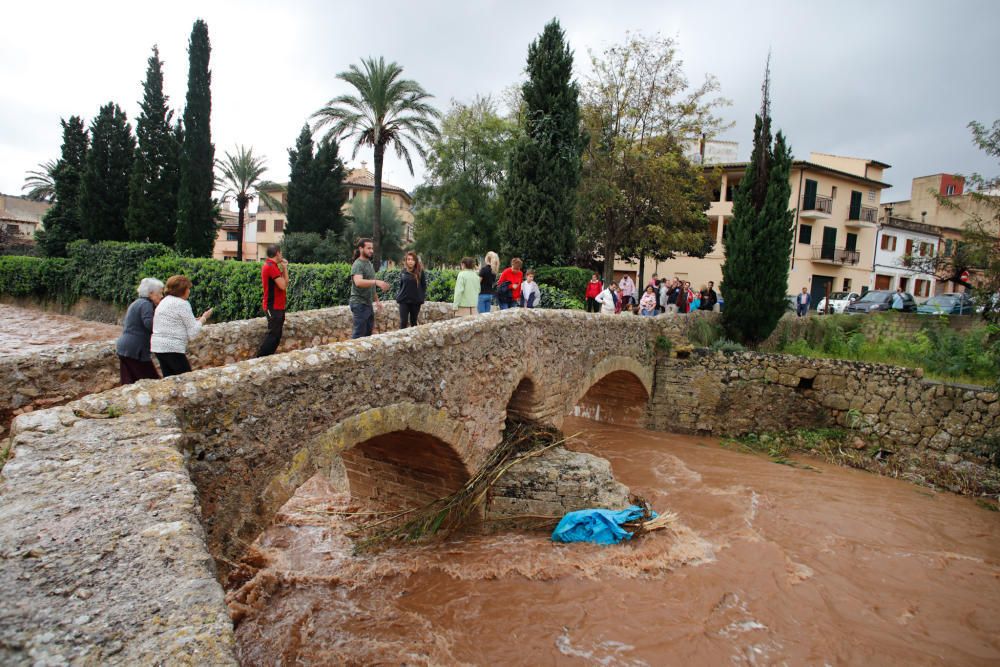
(135, 361)
(174, 325)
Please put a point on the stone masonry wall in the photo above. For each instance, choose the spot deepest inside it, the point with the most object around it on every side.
(45, 378)
(737, 393)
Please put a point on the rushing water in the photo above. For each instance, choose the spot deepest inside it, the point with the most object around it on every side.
(23, 329)
(767, 565)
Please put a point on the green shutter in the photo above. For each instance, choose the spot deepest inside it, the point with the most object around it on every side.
(805, 234)
(855, 213)
(852, 242)
(809, 199)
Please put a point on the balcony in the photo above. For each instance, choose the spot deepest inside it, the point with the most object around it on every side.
(866, 218)
(832, 255)
(821, 210)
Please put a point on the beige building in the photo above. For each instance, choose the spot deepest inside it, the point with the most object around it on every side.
(925, 207)
(836, 202)
(267, 226)
(21, 217)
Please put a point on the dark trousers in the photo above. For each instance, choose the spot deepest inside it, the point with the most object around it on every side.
(801, 309)
(408, 313)
(173, 363)
(133, 370)
(592, 305)
(275, 325)
(364, 320)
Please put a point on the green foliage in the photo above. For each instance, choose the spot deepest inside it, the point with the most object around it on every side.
(105, 183)
(755, 271)
(40, 183)
(152, 202)
(110, 271)
(553, 297)
(36, 276)
(312, 248)
(241, 178)
(391, 229)
(539, 192)
(233, 289)
(458, 210)
(387, 111)
(62, 221)
(316, 192)
(195, 206)
(725, 345)
(704, 332)
(664, 344)
(569, 279)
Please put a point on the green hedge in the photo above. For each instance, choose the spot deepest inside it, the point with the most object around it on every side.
(569, 279)
(36, 276)
(110, 270)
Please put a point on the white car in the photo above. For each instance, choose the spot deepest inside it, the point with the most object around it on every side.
(838, 302)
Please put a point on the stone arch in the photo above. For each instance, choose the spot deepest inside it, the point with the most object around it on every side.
(615, 391)
(525, 400)
(394, 435)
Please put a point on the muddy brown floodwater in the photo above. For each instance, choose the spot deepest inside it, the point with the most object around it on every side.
(768, 565)
(23, 329)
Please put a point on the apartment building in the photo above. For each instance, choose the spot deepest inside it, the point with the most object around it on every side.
(227, 236)
(947, 217)
(836, 202)
(21, 217)
(266, 226)
(896, 239)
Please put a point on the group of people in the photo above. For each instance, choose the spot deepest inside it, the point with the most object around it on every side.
(475, 292)
(667, 295)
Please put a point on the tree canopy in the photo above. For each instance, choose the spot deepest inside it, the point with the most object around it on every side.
(316, 192)
(62, 222)
(105, 183)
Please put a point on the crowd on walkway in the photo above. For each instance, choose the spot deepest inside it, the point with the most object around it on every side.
(161, 323)
(660, 296)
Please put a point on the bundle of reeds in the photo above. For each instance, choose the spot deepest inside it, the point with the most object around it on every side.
(522, 440)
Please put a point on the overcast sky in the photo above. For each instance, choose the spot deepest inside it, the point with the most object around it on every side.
(892, 81)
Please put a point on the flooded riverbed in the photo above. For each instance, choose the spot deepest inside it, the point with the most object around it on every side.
(24, 329)
(767, 565)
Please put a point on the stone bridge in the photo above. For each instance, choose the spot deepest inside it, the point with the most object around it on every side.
(165, 495)
(120, 512)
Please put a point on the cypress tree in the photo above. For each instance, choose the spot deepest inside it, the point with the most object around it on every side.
(62, 222)
(329, 195)
(152, 205)
(301, 203)
(195, 207)
(759, 236)
(316, 192)
(544, 172)
(105, 184)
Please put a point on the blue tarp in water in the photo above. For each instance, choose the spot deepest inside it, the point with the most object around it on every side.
(598, 526)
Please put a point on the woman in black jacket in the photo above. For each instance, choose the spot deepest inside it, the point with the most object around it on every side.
(412, 290)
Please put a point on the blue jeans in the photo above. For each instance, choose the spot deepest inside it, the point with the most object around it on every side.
(364, 320)
(802, 309)
(505, 306)
(648, 312)
(485, 303)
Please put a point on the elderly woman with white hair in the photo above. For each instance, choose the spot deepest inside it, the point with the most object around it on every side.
(136, 361)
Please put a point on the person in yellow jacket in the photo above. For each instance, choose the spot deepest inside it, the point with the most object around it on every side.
(467, 288)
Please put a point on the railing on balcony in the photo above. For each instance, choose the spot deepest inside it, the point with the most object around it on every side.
(869, 214)
(822, 205)
(829, 253)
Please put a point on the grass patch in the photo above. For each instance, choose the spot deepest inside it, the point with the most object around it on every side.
(854, 450)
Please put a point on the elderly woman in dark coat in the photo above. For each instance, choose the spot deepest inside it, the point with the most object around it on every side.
(136, 362)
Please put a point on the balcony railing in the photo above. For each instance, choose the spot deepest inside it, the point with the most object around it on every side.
(822, 205)
(866, 214)
(826, 253)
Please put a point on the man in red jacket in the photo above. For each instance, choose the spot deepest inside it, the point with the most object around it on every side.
(274, 278)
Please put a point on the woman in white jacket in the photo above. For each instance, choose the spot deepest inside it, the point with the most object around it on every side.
(608, 299)
(174, 325)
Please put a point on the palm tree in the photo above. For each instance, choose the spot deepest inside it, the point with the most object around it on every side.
(40, 183)
(387, 110)
(241, 178)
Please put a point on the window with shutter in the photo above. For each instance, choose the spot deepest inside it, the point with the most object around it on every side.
(855, 212)
(805, 234)
(909, 247)
(809, 198)
(852, 242)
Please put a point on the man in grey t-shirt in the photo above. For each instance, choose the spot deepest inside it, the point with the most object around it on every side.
(363, 284)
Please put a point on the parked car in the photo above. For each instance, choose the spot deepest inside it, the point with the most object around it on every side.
(949, 303)
(880, 300)
(838, 302)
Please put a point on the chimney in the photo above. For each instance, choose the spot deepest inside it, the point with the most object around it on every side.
(923, 216)
(364, 165)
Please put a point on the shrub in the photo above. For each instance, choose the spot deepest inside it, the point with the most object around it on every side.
(725, 345)
(569, 279)
(553, 297)
(233, 289)
(703, 332)
(110, 270)
(36, 276)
